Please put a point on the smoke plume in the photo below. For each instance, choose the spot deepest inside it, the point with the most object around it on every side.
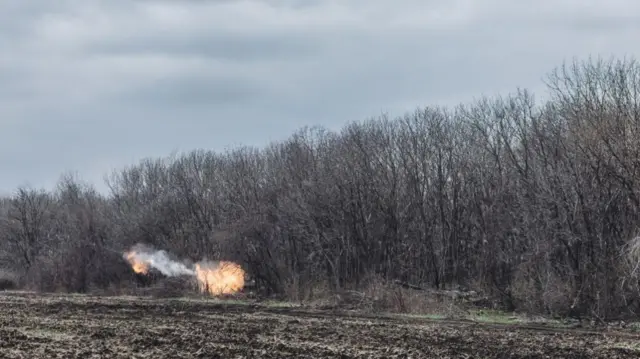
(146, 257)
(215, 278)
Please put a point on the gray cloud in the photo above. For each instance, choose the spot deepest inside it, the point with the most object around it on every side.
(216, 44)
(93, 85)
(193, 90)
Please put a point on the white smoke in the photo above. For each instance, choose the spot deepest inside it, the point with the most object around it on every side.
(159, 259)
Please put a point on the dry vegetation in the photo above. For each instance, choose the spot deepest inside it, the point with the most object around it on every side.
(531, 205)
(75, 326)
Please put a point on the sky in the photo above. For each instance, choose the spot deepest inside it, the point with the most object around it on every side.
(91, 86)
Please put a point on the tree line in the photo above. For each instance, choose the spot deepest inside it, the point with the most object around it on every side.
(533, 203)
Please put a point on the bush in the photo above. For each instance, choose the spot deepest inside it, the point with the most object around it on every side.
(8, 281)
(81, 269)
(377, 295)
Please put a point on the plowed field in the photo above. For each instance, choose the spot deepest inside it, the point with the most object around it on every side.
(38, 326)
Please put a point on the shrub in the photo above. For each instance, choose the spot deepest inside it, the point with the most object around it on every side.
(8, 281)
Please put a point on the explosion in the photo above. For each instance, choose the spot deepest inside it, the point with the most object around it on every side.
(215, 278)
(221, 278)
(137, 265)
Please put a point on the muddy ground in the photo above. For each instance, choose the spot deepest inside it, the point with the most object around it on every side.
(38, 326)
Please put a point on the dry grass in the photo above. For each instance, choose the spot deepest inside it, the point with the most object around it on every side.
(379, 296)
(90, 326)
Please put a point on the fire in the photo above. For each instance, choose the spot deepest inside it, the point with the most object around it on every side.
(215, 278)
(139, 266)
(223, 278)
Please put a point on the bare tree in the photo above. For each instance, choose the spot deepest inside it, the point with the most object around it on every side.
(27, 226)
(531, 203)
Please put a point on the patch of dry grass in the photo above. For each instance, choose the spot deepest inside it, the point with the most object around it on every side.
(90, 326)
(55, 335)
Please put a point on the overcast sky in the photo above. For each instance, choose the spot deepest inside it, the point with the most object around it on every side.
(89, 86)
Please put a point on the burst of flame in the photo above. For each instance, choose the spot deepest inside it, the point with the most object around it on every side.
(224, 278)
(138, 266)
(217, 278)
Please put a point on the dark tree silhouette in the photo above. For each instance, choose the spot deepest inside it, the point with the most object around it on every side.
(533, 204)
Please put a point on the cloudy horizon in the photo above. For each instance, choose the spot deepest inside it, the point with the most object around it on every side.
(90, 86)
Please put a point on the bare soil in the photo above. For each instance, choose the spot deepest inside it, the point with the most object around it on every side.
(57, 326)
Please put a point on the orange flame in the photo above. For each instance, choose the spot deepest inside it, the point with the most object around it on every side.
(223, 278)
(137, 265)
(215, 278)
